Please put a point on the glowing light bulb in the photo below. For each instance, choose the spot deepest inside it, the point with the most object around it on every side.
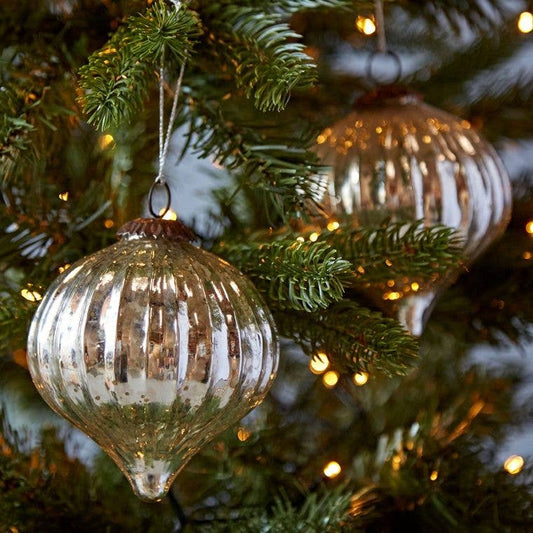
(314, 236)
(63, 196)
(330, 379)
(392, 295)
(63, 268)
(366, 25)
(529, 227)
(106, 141)
(333, 225)
(169, 215)
(525, 22)
(31, 295)
(109, 223)
(243, 434)
(415, 286)
(319, 363)
(514, 464)
(300, 239)
(434, 475)
(360, 379)
(332, 469)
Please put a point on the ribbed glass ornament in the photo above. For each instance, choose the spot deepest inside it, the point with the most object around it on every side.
(396, 158)
(152, 346)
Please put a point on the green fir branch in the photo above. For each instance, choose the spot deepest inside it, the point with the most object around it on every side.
(268, 157)
(262, 53)
(164, 31)
(291, 274)
(116, 79)
(354, 338)
(397, 250)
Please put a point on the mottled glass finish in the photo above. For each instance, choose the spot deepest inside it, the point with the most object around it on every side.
(152, 347)
(398, 157)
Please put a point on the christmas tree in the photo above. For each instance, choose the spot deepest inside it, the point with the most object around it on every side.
(367, 427)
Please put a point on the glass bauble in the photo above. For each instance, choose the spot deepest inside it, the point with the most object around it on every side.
(152, 346)
(396, 158)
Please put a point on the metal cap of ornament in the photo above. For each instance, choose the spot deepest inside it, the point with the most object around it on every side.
(395, 157)
(152, 347)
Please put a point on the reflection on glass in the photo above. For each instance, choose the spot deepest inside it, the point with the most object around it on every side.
(400, 158)
(152, 347)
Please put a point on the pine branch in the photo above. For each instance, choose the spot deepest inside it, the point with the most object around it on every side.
(14, 127)
(260, 50)
(354, 338)
(116, 79)
(291, 274)
(269, 157)
(397, 250)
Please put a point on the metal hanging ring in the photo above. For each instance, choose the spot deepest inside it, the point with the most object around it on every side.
(165, 210)
(371, 61)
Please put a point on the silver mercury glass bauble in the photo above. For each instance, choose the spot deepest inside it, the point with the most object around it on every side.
(152, 346)
(398, 158)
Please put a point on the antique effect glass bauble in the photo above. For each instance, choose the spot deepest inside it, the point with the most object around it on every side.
(396, 158)
(152, 346)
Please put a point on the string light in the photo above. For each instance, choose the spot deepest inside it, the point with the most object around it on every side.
(392, 295)
(330, 379)
(514, 464)
(529, 227)
(105, 141)
(169, 215)
(332, 469)
(31, 295)
(63, 268)
(415, 286)
(300, 239)
(243, 434)
(319, 363)
(360, 379)
(525, 22)
(434, 475)
(109, 223)
(333, 225)
(314, 236)
(63, 196)
(366, 25)
(527, 255)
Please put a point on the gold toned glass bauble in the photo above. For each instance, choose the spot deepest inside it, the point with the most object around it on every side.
(395, 157)
(152, 346)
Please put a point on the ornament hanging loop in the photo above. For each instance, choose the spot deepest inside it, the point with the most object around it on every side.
(159, 183)
(382, 52)
(371, 67)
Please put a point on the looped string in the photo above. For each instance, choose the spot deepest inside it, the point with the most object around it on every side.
(382, 50)
(164, 139)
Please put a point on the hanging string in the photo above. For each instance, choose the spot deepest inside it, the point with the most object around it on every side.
(164, 138)
(380, 23)
(382, 50)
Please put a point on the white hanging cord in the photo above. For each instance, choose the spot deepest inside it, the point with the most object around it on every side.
(164, 139)
(380, 23)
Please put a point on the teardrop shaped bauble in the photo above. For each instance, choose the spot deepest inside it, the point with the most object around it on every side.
(152, 346)
(396, 158)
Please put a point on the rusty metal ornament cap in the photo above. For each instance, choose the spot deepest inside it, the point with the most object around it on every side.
(156, 228)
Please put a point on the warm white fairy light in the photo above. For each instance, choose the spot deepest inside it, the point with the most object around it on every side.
(360, 379)
(31, 295)
(514, 464)
(525, 22)
(366, 25)
(330, 379)
(170, 214)
(332, 469)
(319, 363)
